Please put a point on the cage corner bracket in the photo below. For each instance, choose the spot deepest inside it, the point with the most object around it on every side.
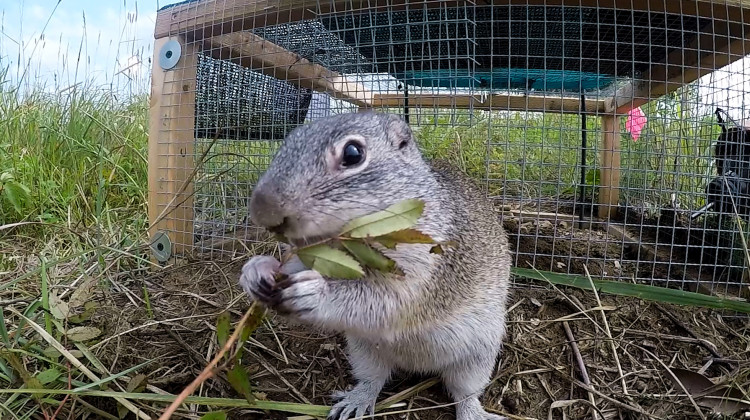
(161, 247)
(169, 54)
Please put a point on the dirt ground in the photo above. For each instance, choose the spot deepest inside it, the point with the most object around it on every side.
(630, 376)
(666, 250)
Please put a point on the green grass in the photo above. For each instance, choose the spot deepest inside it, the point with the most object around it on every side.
(535, 155)
(81, 158)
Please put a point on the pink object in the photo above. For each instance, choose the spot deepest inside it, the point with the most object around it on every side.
(635, 122)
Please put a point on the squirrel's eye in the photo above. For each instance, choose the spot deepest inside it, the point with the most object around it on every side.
(353, 154)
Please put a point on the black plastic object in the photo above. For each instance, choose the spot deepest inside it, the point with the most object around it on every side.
(729, 192)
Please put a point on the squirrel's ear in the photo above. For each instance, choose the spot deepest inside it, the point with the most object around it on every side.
(399, 132)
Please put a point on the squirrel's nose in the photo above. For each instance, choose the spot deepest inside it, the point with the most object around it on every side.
(267, 210)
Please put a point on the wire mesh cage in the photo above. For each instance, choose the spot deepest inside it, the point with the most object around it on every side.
(610, 134)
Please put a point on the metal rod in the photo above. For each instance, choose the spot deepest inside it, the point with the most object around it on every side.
(701, 211)
(406, 102)
(583, 154)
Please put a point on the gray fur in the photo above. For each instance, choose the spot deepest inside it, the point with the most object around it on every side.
(447, 317)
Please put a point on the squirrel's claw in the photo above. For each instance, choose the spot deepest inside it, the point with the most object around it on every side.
(358, 402)
(257, 280)
(300, 293)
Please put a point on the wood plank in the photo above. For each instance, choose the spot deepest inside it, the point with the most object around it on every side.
(729, 42)
(609, 188)
(252, 51)
(157, 188)
(510, 102)
(171, 141)
(207, 18)
(532, 216)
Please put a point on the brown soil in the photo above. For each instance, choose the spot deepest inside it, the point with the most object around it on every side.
(296, 364)
(666, 250)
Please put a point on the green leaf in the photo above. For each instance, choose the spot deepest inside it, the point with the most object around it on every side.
(369, 256)
(48, 375)
(388, 243)
(253, 322)
(17, 194)
(222, 328)
(122, 411)
(437, 249)
(405, 236)
(51, 353)
(401, 215)
(330, 262)
(240, 381)
(4, 331)
(214, 415)
(642, 291)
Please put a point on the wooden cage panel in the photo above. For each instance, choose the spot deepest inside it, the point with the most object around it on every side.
(258, 68)
(171, 140)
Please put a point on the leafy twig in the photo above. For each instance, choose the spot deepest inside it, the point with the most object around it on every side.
(209, 370)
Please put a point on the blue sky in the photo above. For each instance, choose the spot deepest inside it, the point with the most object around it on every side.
(113, 36)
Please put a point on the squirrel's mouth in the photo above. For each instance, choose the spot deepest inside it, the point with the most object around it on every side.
(300, 232)
(301, 239)
(303, 242)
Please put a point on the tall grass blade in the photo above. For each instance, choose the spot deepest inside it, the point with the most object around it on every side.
(642, 291)
(113, 377)
(297, 408)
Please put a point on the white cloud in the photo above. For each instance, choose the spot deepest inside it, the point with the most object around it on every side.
(101, 45)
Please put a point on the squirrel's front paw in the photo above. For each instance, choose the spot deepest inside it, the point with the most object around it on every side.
(257, 279)
(300, 293)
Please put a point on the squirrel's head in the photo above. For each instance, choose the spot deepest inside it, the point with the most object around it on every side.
(335, 169)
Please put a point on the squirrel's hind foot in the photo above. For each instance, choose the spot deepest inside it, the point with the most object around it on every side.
(358, 403)
(472, 410)
(489, 416)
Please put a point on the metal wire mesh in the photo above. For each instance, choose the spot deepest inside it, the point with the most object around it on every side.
(520, 96)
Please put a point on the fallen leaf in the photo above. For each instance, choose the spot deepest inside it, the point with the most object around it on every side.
(83, 333)
(330, 262)
(137, 383)
(694, 382)
(83, 292)
(57, 307)
(721, 398)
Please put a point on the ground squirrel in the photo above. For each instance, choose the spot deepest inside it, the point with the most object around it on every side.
(446, 316)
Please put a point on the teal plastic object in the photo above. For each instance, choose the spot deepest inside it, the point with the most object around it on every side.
(503, 79)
